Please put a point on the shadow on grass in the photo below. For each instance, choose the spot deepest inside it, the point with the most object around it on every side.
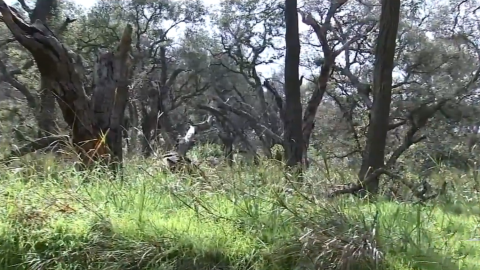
(102, 248)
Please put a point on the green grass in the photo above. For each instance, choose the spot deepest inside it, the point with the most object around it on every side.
(241, 218)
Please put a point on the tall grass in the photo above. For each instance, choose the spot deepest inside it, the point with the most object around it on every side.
(246, 217)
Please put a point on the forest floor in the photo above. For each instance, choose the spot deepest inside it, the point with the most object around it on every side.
(243, 218)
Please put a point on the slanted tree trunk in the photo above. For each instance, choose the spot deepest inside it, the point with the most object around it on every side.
(293, 137)
(95, 123)
(374, 155)
(330, 54)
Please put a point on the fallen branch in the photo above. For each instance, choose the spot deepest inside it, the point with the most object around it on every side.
(417, 192)
(356, 188)
(178, 159)
(36, 145)
(187, 142)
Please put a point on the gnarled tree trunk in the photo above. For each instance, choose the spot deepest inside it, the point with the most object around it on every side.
(95, 123)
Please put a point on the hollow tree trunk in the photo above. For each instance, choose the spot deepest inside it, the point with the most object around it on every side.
(374, 155)
(293, 137)
(95, 124)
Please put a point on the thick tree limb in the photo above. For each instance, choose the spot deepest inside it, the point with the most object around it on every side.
(52, 59)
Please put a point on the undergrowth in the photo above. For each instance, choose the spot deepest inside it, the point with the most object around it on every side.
(246, 217)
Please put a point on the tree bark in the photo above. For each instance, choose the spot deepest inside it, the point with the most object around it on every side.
(43, 11)
(110, 94)
(293, 137)
(46, 111)
(374, 155)
(95, 124)
(155, 117)
(227, 139)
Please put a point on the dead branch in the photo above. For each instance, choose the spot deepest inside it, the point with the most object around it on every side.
(222, 118)
(36, 145)
(178, 159)
(418, 193)
(187, 142)
(356, 188)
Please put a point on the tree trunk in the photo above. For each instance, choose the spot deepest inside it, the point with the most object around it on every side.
(95, 124)
(43, 11)
(131, 129)
(154, 115)
(374, 155)
(227, 144)
(293, 137)
(312, 107)
(46, 111)
(110, 95)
